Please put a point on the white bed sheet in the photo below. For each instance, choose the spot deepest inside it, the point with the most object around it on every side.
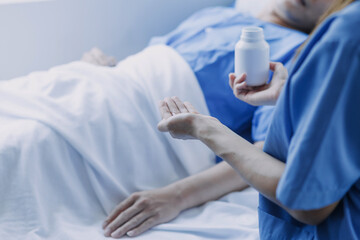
(78, 139)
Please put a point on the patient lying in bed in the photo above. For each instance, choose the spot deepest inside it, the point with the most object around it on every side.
(73, 147)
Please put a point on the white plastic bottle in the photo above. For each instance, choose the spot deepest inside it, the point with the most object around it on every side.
(252, 56)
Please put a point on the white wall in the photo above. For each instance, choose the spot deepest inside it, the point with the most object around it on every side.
(39, 35)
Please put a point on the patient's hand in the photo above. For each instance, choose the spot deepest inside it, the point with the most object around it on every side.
(97, 57)
(142, 211)
(266, 94)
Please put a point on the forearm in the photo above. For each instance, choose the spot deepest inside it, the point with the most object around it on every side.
(258, 169)
(208, 185)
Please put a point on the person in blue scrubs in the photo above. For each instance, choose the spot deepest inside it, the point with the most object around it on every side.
(309, 173)
(207, 41)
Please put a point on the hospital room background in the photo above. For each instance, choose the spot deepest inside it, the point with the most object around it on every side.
(37, 35)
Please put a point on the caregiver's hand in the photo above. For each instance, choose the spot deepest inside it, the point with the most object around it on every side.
(142, 211)
(266, 94)
(180, 118)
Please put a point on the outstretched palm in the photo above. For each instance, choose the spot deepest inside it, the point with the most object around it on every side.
(177, 118)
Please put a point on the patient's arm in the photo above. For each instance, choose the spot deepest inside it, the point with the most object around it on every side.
(97, 57)
(143, 210)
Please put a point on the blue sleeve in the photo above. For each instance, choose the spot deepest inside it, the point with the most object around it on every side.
(323, 159)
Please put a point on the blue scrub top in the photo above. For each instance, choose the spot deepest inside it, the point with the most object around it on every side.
(207, 40)
(316, 131)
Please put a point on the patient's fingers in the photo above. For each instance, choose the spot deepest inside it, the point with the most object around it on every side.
(190, 108)
(131, 224)
(180, 105)
(121, 219)
(172, 106)
(119, 208)
(164, 110)
(149, 223)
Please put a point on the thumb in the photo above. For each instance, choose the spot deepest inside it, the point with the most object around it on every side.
(163, 126)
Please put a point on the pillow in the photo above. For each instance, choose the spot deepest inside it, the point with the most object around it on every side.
(251, 6)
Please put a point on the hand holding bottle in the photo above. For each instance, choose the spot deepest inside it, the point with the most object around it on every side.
(266, 94)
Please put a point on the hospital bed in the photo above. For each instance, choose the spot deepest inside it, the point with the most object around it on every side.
(77, 139)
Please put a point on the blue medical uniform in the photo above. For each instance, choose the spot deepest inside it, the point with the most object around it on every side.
(316, 132)
(207, 40)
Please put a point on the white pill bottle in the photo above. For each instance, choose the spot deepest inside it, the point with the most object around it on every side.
(252, 56)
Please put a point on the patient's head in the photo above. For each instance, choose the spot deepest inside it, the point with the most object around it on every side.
(300, 14)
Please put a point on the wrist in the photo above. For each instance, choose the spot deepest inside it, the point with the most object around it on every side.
(203, 126)
(220, 139)
(179, 193)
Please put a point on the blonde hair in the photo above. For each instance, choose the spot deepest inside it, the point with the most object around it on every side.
(337, 5)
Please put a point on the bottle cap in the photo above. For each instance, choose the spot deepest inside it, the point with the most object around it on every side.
(252, 34)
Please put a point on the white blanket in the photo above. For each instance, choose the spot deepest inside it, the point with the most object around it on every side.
(78, 139)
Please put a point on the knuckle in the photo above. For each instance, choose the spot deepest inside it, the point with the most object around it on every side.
(155, 218)
(144, 202)
(152, 222)
(135, 195)
(134, 221)
(149, 210)
(118, 208)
